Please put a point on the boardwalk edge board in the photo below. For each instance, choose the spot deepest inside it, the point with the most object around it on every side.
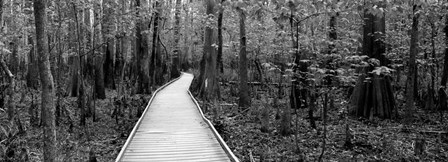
(123, 149)
(223, 144)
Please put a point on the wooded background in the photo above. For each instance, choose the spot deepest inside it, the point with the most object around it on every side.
(274, 63)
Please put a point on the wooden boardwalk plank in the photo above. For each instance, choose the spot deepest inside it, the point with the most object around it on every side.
(173, 129)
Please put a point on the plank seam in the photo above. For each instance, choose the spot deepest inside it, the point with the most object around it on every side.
(223, 144)
(126, 144)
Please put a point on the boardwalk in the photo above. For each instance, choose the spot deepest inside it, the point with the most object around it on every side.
(172, 128)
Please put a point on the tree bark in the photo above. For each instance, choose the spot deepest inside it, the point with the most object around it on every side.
(185, 58)
(244, 100)
(175, 72)
(412, 64)
(14, 57)
(220, 41)
(208, 83)
(298, 94)
(445, 67)
(81, 89)
(156, 62)
(108, 30)
(10, 92)
(142, 53)
(443, 105)
(32, 77)
(372, 95)
(47, 104)
(98, 59)
(1, 14)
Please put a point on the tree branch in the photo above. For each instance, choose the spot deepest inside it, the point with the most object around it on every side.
(317, 14)
(6, 69)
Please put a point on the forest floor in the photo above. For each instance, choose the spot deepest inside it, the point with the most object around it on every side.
(102, 139)
(372, 140)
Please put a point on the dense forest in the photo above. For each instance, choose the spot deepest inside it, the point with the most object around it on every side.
(281, 80)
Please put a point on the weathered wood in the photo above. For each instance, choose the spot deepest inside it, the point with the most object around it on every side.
(172, 129)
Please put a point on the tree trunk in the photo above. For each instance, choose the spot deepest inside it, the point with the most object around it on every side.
(10, 92)
(32, 77)
(1, 14)
(176, 57)
(155, 65)
(445, 67)
(220, 41)
(81, 88)
(208, 82)
(412, 64)
(100, 90)
(98, 59)
(244, 100)
(374, 96)
(295, 95)
(47, 104)
(141, 46)
(108, 30)
(185, 58)
(443, 105)
(74, 68)
(14, 57)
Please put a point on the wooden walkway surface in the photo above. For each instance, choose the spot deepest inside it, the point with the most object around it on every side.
(173, 128)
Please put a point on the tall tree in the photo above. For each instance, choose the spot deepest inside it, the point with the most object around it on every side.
(47, 103)
(445, 68)
(108, 30)
(177, 52)
(142, 48)
(298, 94)
(220, 41)
(155, 70)
(443, 105)
(244, 100)
(373, 94)
(1, 14)
(9, 73)
(81, 87)
(100, 91)
(10, 90)
(412, 64)
(208, 82)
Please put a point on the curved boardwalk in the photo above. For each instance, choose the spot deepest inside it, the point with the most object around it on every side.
(172, 128)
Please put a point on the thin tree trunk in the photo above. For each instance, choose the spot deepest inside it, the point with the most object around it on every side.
(32, 77)
(412, 64)
(81, 96)
(1, 15)
(445, 67)
(220, 41)
(443, 105)
(154, 56)
(10, 92)
(244, 100)
(59, 65)
(47, 104)
(108, 29)
(14, 57)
